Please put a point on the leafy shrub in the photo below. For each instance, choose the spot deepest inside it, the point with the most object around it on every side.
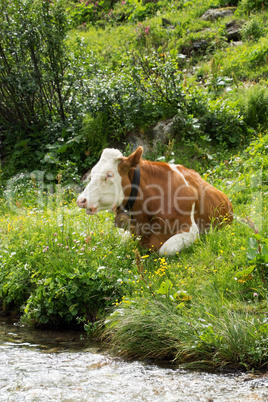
(248, 61)
(38, 102)
(95, 133)
(205, 114)
(88, 11)
(116, 101)
(35, 59)
(142, 12)
(253, 102)
(252, 30)
(158, 77)
(148, 88)
(223, 122)
(250, 5)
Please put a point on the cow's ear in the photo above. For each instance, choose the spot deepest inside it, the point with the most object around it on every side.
(134, 159)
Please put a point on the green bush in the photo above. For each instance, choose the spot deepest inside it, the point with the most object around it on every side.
(223, 122)
(144, 11)
(35, 58)
(248, 6)
(95, 133)
(248, 61)
(253, 29)
(253, 102)
(40, 78)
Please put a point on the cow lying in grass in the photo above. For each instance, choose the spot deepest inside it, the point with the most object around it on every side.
(167, 205)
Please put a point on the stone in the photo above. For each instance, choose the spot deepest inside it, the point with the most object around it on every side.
(162, 131)
(134, 140)
(233, 29)
(215, 13)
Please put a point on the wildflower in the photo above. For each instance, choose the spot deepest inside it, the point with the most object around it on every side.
(255, 294)
(145, 256)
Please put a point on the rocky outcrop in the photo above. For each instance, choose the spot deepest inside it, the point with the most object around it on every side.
(162, 131)
(215, 13)
(159, 134)
(233, 29)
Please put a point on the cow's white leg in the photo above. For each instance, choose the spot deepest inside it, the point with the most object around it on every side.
(181, 240)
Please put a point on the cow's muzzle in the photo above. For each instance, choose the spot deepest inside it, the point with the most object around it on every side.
(81, 202)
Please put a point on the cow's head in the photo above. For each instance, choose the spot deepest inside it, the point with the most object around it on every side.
(109, 181)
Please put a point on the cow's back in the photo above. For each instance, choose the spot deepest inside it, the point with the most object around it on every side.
(212, 205)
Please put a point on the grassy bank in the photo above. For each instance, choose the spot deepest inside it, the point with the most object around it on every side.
(124, 69)
(205, 306)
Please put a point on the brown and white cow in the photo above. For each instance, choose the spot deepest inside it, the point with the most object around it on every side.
(168, 205)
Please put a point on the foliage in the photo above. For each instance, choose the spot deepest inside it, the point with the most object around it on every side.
(125, 67)
(88, 11)
(253, 103)
(245, 61)
(95, 133)
(253, 29)
(223, 122)
(37, 80)
(59, 270)
(248, 6)
(34, 63)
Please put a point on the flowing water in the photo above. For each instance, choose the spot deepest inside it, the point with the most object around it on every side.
(61, 366)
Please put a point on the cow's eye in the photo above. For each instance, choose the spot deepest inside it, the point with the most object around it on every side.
(109, 175)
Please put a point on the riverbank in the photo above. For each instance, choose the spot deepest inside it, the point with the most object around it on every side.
(206, 306)
(62, 365)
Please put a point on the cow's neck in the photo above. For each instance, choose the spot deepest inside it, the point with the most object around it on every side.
(135, 183)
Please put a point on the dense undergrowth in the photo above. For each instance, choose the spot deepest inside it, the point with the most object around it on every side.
(87, 74)
(123, 67)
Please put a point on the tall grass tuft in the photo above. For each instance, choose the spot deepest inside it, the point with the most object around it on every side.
(193, 337)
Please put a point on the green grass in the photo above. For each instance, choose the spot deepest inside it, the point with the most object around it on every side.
(60, 267)
(204, 334)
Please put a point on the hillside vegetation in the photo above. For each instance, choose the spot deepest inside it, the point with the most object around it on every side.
(79, 76)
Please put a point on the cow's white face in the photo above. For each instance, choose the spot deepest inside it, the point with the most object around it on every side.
(104, 191)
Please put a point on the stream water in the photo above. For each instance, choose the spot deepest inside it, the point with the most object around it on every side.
(61, 366)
